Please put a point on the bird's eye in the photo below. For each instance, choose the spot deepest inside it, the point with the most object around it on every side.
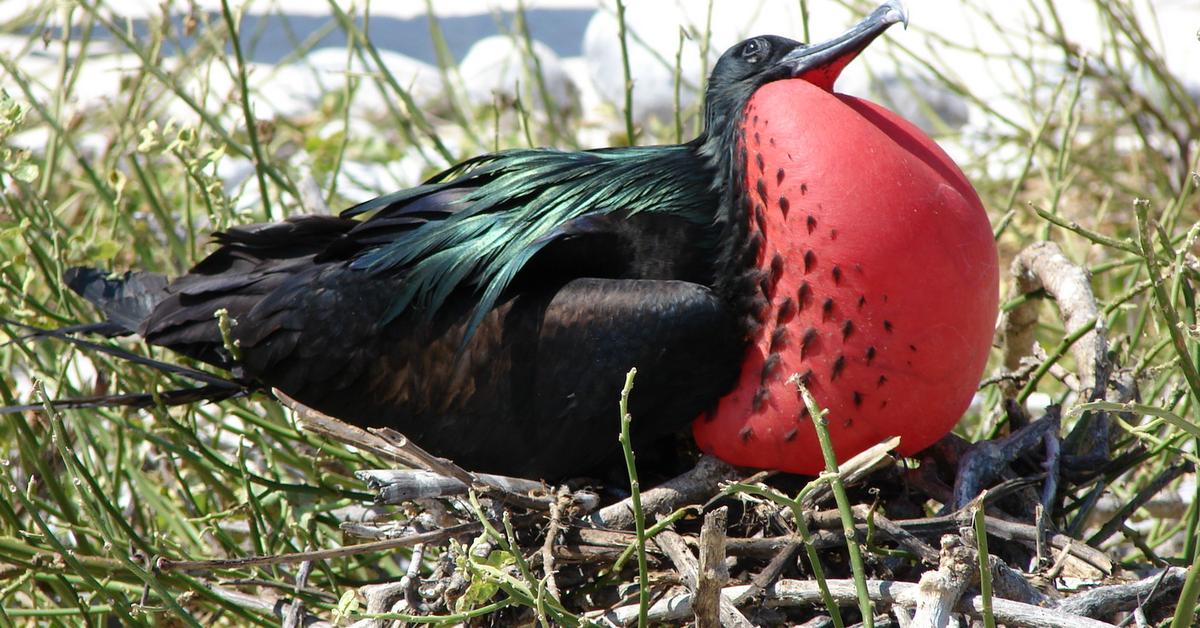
(755, 50)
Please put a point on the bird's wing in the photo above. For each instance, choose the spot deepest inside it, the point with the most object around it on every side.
(619, 217)
(544, 366)
(479, 223)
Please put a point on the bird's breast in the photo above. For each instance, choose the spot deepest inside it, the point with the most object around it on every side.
(879, 283)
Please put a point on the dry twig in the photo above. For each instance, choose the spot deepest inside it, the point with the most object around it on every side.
(939, 591)
(697, 485)
(786, 593)
(713, 573)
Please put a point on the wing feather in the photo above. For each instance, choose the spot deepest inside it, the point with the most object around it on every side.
(478, 224)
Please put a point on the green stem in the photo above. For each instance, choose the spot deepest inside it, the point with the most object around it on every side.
(651, 532)
(985, 568)
(814, 561)
(210, 121)
(1174, 325)
(797, 508)
(1053, 357)
(251, 124)
(843, 504)
(629, 133)
(639, 520)
(1185, 610)
(414, 114)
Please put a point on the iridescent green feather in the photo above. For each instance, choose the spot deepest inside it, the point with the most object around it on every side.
(517, 202)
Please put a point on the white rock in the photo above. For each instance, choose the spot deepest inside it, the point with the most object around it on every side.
(499, 66)
(653, 42)
(81, 373)
(34, 140)
(288, 90)
(652, 45)
(403, 10)
(331, 65)
(973, 50)
(89, 145)
(240, 184)
(360, 181)
(34, 69)
(233, 172)
(100, 86)
(357, 129)
(12, 11)
(210, 86)
(1037, 403)
(296, 89)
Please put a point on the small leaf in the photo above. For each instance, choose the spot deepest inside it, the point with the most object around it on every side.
(117, 180)
(150, 140)
(482, 589)
(106, 250)
(347, 604)
(14, 232)
(25, 172)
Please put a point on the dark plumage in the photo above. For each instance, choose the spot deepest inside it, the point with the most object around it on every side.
(491, 313)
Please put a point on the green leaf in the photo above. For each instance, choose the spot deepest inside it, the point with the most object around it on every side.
(105, 250)
(14, 232)
(149, 138)
(347, 604)
(481, 590)
(25, 172)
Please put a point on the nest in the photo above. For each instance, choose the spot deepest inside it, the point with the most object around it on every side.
(993, 531)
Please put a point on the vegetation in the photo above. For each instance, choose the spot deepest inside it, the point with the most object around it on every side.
(1095, 152)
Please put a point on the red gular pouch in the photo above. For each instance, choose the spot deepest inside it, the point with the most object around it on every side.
(881, 289)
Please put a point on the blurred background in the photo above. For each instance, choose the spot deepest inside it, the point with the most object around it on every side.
(964, 71)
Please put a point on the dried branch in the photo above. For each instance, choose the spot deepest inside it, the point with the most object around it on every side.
(786, 593)
(856, 469)
(902, 537)
(939, 591)
(266, 603)
(697, 485)
(435, 536)
(1043, 266)
(713, 573)
(1014, 531)
(722, 611)
(1109, 600)
(988, 460)
(552, 531)
(393, 445)
(295, 613)
(395, 486)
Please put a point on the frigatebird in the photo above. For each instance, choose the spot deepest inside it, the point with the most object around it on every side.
(491, 313)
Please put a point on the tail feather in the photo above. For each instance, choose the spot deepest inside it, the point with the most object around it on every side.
(165, 367)
(126, 299)
(212, 388)
(105, 328)
(174, 397)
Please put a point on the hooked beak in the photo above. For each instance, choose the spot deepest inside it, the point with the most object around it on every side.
(820, 64)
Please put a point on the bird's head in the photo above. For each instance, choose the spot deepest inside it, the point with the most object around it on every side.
(759, 60)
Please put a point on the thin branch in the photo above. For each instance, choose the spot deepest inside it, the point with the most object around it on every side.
(392, 445)
(787, 593)
(217, 564)
(696, 485)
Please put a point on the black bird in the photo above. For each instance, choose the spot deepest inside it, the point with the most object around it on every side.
(492, 312)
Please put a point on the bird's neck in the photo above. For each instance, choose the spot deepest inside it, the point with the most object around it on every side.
(738, 268)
